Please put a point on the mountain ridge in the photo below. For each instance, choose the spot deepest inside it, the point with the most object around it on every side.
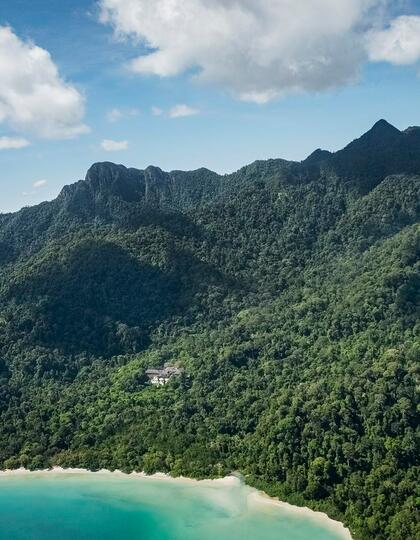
(157, 186)
(289, 293)
(382, 133)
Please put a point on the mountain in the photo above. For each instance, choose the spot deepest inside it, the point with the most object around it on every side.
(382, 151)
(289, 294)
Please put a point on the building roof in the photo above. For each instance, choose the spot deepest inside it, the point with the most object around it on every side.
(164, 372)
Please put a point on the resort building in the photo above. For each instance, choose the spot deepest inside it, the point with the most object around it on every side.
(159, 377)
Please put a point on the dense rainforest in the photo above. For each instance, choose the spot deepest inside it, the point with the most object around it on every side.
(289, 294)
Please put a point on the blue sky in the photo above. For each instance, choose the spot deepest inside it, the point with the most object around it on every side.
(227, 129)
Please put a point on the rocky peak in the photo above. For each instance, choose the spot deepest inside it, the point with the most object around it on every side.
(109, 179)
(317, 156)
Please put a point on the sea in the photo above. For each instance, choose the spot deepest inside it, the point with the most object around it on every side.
(101, 506)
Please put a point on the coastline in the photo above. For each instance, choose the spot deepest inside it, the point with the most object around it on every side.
(255, 497)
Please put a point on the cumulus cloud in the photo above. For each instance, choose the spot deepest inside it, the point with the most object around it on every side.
(398, 44)
(39, 184)
(114, 115)
(33, 96)
(13, 143)
(114, 146)
(181, 111)
(257, 49)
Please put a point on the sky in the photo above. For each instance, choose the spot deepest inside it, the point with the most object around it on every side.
(183, 84)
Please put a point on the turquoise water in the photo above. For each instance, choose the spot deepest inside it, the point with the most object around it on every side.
(106, 507)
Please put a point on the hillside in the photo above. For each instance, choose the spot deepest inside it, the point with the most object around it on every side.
(288, 292)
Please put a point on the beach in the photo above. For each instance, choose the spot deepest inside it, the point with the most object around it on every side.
(216, 490)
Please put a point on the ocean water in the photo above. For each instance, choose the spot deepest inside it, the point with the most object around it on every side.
(111, 507)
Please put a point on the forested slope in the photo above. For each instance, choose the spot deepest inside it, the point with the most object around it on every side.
(289, 293)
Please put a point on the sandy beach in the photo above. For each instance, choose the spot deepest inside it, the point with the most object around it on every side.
(255, 497)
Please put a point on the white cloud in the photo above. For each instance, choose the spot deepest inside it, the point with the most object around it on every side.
(33, 96)
(39, 184)
(114, 146)
(177, 111)
(258, 49)
(156, 111)
(398, 44)
(182, 110)
(13, 143)
(114, 115)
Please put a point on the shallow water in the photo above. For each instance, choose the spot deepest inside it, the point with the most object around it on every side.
(108, 507)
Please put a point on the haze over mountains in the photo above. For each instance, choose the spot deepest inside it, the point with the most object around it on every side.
(288, 292)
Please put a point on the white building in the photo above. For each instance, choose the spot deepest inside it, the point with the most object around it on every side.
(160, 377)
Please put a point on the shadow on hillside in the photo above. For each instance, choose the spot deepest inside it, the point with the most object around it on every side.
(101, 300)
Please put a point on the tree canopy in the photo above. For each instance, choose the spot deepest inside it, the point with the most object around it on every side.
(288, 293)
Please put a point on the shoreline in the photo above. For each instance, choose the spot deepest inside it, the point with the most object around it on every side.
(255, 496)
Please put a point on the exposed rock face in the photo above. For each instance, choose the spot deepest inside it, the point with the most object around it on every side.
(110, 193)
(382, 151)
